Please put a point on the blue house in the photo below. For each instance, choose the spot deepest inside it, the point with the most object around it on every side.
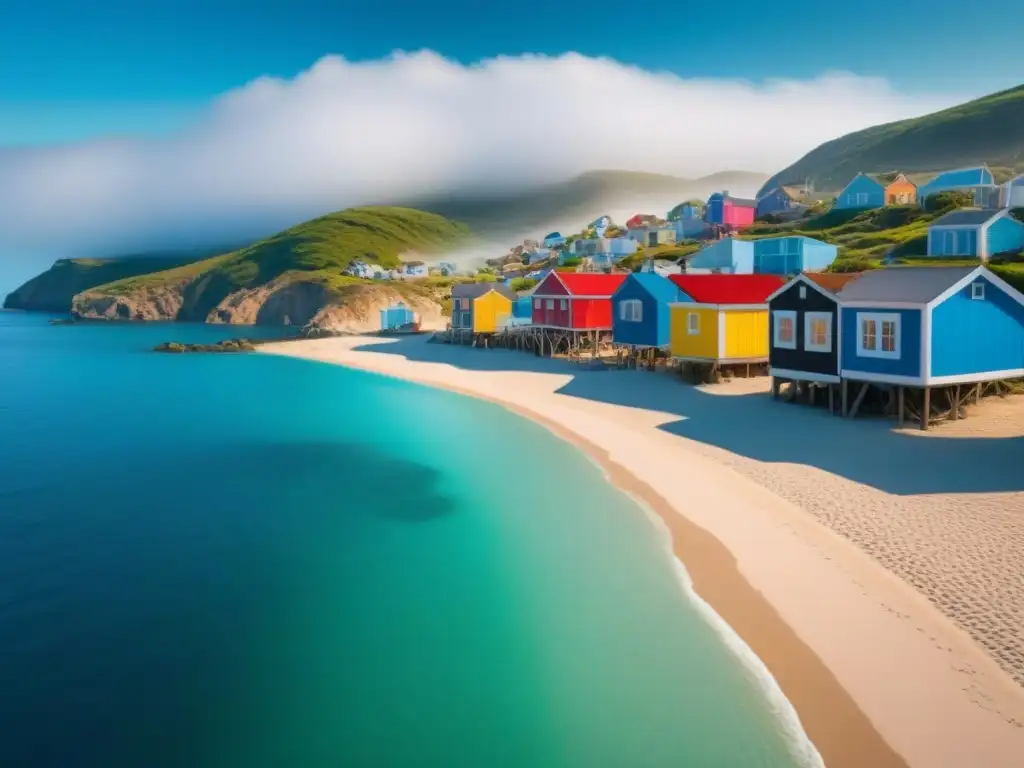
(931, 326)
(977, 182)
(793, 254)
(975, 233)
(779, 200)
(640, 310)
(601, 224)
(728, 255)
(396, 316)
(554, 240)
(863, 191)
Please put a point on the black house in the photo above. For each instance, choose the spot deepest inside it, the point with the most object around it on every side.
(803, 328)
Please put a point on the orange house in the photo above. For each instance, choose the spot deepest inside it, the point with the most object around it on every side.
(901, 191)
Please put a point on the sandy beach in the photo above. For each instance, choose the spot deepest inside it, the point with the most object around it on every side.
(877, 573)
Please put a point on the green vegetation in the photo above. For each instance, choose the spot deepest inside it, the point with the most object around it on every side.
(520, 284)
(988, 130)
(53, 290)
(316, 251)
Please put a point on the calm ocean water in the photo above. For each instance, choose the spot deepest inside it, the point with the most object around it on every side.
(252, 561)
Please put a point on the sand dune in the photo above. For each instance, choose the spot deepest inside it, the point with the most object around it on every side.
(784, 516)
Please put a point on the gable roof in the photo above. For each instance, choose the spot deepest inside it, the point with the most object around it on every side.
(833, 282)
(590, 283)
(727, 289)
(967, 217)
(900, 178)
(961, 177)
(743, 202)
(659, 287)
(872, 177)
(913, 285)
(476, 290)
(551, 235)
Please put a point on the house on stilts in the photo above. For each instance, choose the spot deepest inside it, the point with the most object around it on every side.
(929, 337)
(480, 310)
(571, 309)
(803, 329)
(640, 315)
(725, 325)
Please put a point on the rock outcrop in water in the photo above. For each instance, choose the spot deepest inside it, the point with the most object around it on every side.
(231, 345)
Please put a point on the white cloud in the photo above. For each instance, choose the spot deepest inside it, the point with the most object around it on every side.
(277, 151)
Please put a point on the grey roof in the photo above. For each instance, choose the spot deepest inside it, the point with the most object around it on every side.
(476, 290)
(744, 201)
(964, 217)
(917, 285)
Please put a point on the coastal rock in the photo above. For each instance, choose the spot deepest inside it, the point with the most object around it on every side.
(161, 303)
(231, 345)
(359, 312)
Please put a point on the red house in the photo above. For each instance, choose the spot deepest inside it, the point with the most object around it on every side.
(576, 301)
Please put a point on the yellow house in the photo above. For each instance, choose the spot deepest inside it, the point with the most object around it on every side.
(481, 307)
(725, 322)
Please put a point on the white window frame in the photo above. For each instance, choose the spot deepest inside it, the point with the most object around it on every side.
(978, 291)
(692, 323)
(563, 304)
(631, 311)
(536, 303)
(809, 318)
(777, 316)
(880, 318)
(803, 292)
(549, 303)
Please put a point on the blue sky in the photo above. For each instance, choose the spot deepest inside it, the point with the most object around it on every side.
(75, 69)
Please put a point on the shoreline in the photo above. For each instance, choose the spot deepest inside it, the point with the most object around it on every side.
(828, 623)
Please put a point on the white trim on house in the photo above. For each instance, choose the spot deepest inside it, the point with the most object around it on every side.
(882, 378)
(970, 277)
(880, 319)
(631, 310)
(802, 278)
(785, 373)
(777, 316)
(809, 345)
(721, 335)
(969, 378)
(977, 294)
(926, 342)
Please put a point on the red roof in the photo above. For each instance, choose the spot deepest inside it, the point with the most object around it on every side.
(728, 289)
(591, 283)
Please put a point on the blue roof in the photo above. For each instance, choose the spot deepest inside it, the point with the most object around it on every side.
(550, 235)
(661, 288)
(962, 177)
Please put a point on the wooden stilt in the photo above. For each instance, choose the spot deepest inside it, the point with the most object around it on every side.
(844, 396)
(831, 400)
(954, 404)
(811, 392)
(977, 393)
(926, 408)
(859, 399)
(899, 406)
(775, 387)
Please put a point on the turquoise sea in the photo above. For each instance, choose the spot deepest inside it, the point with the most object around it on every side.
(218, 561)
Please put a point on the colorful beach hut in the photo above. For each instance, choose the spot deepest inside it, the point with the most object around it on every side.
(481, 308)
(728, 255)
(725, 323)
(803, 326)
(792, 254)
(927, 327)
(975, 233)
(977, 182)
(730, 212)
(570, 307)
(396, 317)
(640, 310)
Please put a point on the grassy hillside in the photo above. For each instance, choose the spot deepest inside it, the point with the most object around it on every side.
(987, 130)
(53, 290)
(315, 251)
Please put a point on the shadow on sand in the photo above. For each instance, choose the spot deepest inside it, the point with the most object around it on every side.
(867, 451)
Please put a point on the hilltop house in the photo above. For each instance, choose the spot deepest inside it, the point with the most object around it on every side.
(1012, 195)
(447, 268)
(686, 210)
(660, 236)
(542, 254)
(692, 229)
(864, 191)
(728, 256)
(792, 254)
(554, 240)
(900, 191)
(728, 211)
(975, 232)
(780, 201)
(413, 269)
(600, 225)
(977, 182)
(642, 220)
(359, 268)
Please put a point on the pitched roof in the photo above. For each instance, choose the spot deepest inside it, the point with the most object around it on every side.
(658, 286)
(744, 202)
(916, 285)
(961, 177)
(591, 283)
(963, 217)
(728, 289)
(476, 290)
(833, 282)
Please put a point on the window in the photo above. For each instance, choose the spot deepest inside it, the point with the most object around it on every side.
(803, 292)
(949, 247)
(465, 320)
(536, 303)
(862, 198)
(879, 335)
(818, 331)
(693, 323)
(549, 304)
(977, 290)
(631, 311)
(785, 328)
(563, 304)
